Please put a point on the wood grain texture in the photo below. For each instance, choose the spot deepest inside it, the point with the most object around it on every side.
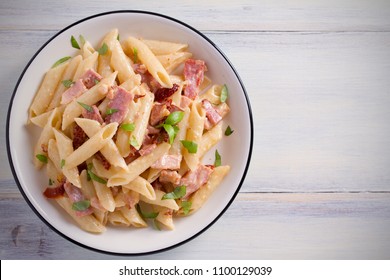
(252, 15)
(317, 76)
(260, 226)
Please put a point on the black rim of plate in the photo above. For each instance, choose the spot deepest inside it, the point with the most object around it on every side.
(104, 251)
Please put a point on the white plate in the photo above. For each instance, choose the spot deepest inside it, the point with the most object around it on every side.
(235, 150)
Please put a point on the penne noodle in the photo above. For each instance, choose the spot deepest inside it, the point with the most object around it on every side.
(90, 97)
(65, 148)
(149, 59)
(46, 90)
(194, 133)
(91, 146)
(163, 47)
(109, 150)
(141, 186)
(173, 60)
(121, 63)
(88, 223)
(136, 167)
(133, 217)
(209, 139)
(168, 203)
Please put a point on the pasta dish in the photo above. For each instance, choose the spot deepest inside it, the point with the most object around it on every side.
(124, 130)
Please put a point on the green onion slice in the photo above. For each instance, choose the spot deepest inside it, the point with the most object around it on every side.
(177, 193)
(191, 147)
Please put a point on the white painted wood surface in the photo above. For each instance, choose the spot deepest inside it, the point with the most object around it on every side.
(317, 74)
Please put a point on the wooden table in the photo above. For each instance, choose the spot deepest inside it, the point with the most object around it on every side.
(318, 77)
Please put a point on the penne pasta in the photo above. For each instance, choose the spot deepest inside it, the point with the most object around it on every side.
(91, 146)
(138, 166)
(147, 57)
(134, 141)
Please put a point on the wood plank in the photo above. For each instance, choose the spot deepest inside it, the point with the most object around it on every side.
(321, 105)
(277, 15)
(257, 226)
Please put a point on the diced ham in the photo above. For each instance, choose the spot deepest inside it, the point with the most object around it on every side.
(86, 212)
(75, 195)
(73, 192)
(147, 149)
(152, 130)
(211, 113)
(159, 112)
(170, 176)
(171, 162)
(194, 179)
(54, 192)
(73, 92)
(133, 155)
(90, 78)
(163, 93)
(185, 102)
(193, 74)
(120, 102)
(94, 115)
(79, 136)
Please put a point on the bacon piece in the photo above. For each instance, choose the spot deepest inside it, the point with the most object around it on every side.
(193, 74)
(157, 185)
(163, 93)
(211, 113)
(170, 176)
(79, 136)
(94, 115)
(99, 156)
(147, 149)
(158, 113)
(120, 101)
(194, 179)
(168, 162)
(55, 192)
(90, 78)
(73, 92)
(44, 147)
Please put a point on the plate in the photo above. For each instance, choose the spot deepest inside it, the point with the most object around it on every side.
(235, 150)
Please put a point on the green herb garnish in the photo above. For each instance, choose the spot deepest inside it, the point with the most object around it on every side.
(103, 49)
(177, 193)
(135, 52)
(174, 118)
(51, 182)
(128, 126)
(151, 215)
(186, 206)
(217, 161)
(228, 131)
(93, 176)
(62, 163)
(224, 93)
(42, 158)
(74, 43)
(67, 83)
(191, 147)
(117, 37)
(134, 142)
(60, 61)
(111, 111)
(81, 205)
(86, 107)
